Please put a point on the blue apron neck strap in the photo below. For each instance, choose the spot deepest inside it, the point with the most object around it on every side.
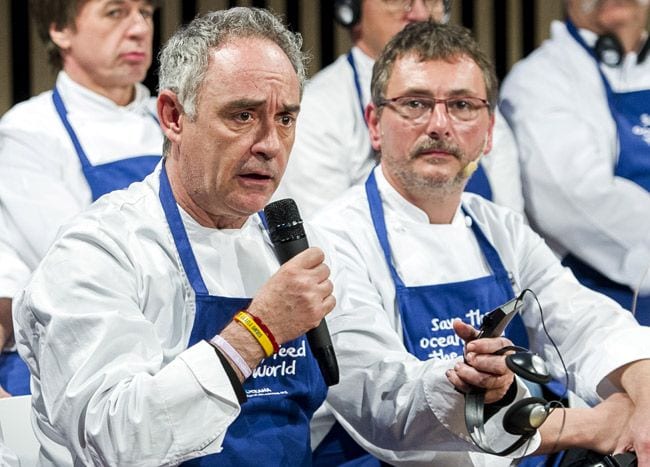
(357, 85)
(63, 115)
(573, 31)
(379, 222)
(179, 234)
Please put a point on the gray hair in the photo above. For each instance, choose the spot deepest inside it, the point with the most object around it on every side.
(184, 59)
(430, 41)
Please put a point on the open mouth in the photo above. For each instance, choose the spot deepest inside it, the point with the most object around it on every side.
(256, 176)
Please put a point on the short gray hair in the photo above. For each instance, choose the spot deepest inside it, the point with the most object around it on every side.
(184, 58)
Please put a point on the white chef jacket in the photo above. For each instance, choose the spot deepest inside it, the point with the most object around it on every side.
(104, 324)
(112, 287)
(556, 104)
(594, 334)
(332, 150)
(43, 185)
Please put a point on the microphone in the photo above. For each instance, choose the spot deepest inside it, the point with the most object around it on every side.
(288, 236)
(471, 167)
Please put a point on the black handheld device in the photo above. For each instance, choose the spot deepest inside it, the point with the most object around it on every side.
(495, 322)
(624, 459)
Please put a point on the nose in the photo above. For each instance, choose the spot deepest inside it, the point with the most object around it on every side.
(418, 11)
(439, 123)
(267, 142)
(138, 24)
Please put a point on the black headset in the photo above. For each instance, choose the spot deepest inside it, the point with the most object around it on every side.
(348, 12)
(524, 417)
(610, 51)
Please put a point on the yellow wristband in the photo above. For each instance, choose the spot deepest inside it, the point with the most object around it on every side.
(249, 323)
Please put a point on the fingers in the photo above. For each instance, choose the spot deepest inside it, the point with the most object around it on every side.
(488, 345)
(308, 259)
(464, 331)
(464, 378)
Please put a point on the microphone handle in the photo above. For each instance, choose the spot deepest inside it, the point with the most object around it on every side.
(318, 338)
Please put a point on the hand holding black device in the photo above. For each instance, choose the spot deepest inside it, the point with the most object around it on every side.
(525, 416)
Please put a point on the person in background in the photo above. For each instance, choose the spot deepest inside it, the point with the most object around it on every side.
(333, 151)
(153, 326)
(421, 255)
(580, 108)
(95, 132)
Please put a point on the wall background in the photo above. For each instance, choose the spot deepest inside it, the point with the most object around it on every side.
(506, 29)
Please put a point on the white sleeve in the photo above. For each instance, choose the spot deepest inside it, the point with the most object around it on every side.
(102, 335)
(14, 272)
(501, 165)
(572, 195)
(36, 197)
(593, 333)
(395, 406)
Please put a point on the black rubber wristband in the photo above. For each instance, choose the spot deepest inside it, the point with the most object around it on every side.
(232, 375)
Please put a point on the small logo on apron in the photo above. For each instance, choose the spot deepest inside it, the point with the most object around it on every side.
(643, 130)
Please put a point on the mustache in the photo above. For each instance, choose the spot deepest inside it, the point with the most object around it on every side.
(436, 145)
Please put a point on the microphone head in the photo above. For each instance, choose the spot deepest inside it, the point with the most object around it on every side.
(283, 221)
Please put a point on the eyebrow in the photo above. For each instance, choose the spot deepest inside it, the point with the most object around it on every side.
(122, 2)
(427, 93)
(252, 104)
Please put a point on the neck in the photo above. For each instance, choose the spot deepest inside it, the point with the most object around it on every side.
(440, 210)
(190, 206)
(439, 203)
(366, 49)
(121, 95)
(628, 29)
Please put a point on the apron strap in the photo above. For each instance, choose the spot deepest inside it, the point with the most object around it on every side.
(63, 115)
(378, 220)
(179, 234)
(357, 85)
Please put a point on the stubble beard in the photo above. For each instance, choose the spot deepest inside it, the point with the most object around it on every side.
(436, 185)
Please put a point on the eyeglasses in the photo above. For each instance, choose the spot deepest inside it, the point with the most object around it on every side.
(398, 6)
(419, 109)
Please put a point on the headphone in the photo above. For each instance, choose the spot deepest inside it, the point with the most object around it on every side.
(610, 51)
(348, 12)
(524, 417)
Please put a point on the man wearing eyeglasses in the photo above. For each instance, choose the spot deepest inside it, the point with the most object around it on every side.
(426, 261)
(332, 150)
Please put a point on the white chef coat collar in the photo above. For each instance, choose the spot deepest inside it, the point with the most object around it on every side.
(402, 208)
(364, 62)
(76, 96)
(559, 29)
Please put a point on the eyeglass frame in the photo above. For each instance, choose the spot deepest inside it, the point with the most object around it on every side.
(385, 102)
(408, 5)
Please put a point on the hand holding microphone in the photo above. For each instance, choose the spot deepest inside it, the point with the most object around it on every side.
(299, 295)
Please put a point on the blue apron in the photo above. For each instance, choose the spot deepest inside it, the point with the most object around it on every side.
(478, 182)
(111, 176)
(283, 392)
(428, 311)
(14, 375)
(631, 112)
